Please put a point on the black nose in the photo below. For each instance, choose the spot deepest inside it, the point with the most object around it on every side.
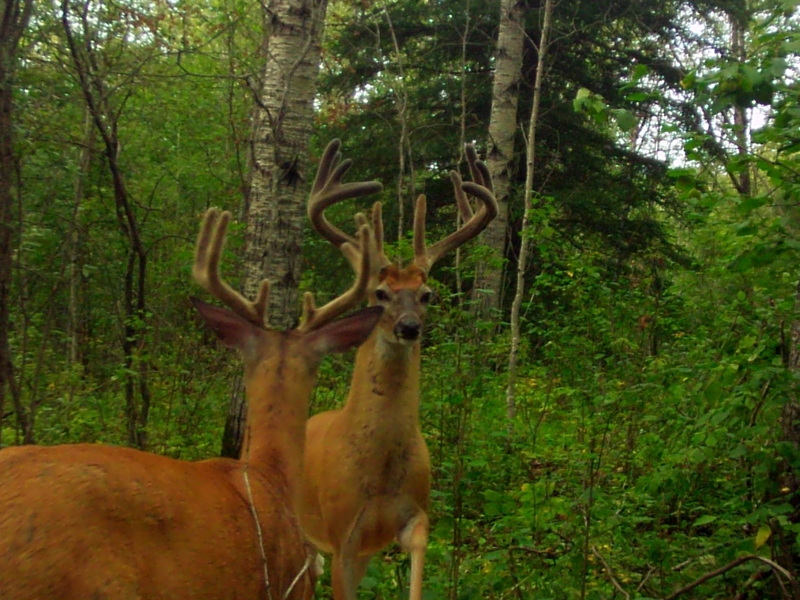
(407, 329)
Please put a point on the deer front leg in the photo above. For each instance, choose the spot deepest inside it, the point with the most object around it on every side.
(346, 574)
(347, 567)
(413, 539)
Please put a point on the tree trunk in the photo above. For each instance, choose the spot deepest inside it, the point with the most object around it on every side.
(279, 184)
(84, 163)
(523, 253)
(14, 16)
(502, 131)
(106, 118)
(741, 127)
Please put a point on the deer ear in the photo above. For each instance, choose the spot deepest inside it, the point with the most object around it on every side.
(346, 333)
(232, 330)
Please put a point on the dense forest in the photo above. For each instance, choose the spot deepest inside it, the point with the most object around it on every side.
(610, 373)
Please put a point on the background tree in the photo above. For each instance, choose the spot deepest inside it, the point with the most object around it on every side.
(279, 176)
(652, 453)
(506, 83)
(14, 16)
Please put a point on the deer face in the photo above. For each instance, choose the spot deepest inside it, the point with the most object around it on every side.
(404, 297)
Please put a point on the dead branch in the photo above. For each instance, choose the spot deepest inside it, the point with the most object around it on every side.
(731, 565)
(610, 574)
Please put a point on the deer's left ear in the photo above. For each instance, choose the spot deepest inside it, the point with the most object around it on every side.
(346, 333)
(232, 330)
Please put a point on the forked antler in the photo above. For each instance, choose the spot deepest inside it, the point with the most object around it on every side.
(210, 242)
(481, 188)
(328, 190)
(314, 317)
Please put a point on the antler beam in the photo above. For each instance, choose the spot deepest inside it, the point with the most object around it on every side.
(205, 271)
(314, 317)
(328, 190)
(474, 224)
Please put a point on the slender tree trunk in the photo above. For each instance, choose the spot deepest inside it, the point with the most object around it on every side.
(84, 162)
(14, 16)
(404, 143)
(462, 122)
(526, 221)
(98, 101)
(789, 425)
(741, 125)
(487, 291)
(280, 178)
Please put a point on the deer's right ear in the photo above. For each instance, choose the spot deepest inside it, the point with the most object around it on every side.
(346, 333)
(232, 330)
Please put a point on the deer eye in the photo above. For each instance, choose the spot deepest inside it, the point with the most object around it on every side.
(382, 295)
(425, 297)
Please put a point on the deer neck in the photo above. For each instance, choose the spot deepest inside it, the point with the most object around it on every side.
(276, 417)
(385, 380)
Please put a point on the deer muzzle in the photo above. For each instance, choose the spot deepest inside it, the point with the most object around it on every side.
(408, 327)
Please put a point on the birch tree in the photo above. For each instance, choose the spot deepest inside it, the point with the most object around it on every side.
(502, 129)
(279, 170)
(530, 155)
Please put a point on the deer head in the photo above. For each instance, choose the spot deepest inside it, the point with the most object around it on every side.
(244, 326)
(401, 291)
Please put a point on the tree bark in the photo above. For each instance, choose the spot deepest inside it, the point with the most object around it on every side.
(741, 127)
(14, 17)
(487, 292)
(84, 162)
(279, 162)
(525, 233)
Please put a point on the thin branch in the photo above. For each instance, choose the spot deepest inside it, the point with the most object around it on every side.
(610, 574)
(731, 565)
(523, 257)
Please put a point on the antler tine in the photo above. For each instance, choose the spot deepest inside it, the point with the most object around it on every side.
(478, 169)
(328, 189)
(474, 223)
(420, 252)
(314, 317)
(377, 233)
(205, 270)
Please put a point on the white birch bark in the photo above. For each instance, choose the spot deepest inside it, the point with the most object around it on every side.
(502, 130)
(280, 178)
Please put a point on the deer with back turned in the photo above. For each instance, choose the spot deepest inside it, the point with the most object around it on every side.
(91, 521)
(367, 467)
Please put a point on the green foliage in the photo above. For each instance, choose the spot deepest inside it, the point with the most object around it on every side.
(649, 443)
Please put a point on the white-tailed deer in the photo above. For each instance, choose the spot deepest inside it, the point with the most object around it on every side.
(90, 521)
(367, 468)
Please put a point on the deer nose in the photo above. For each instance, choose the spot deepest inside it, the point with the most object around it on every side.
(407, 329)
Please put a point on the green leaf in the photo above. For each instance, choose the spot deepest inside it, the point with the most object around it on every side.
(704, 520)
(751, 204)
(625, 119)
(778, 67)
(764, 533)
(640, 71)
(637, 96)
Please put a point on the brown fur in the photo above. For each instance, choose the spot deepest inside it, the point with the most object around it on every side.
(367, 467)
(92, 521)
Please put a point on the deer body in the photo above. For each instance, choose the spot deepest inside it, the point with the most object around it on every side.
(86, 520)
(367, 468)
(375, 447)
(96, 522)
(91, 521)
